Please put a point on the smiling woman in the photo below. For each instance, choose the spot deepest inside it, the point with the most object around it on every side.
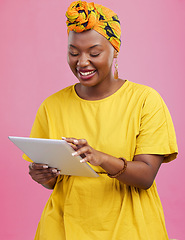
(90, 57)
(123, 130)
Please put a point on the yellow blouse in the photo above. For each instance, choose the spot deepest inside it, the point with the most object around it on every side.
(134, 120)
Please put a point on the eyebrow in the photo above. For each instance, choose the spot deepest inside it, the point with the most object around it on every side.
(96, 45)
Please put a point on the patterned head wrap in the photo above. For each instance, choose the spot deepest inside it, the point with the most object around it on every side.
(82, 16)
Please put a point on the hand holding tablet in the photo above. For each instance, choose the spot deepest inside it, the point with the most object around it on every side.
(55, 153)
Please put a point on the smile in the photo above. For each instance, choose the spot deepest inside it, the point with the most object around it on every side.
(86, 73)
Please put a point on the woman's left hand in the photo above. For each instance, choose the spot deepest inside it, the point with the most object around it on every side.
(83, 149)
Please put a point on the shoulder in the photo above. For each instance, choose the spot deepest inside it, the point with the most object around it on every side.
(56, 100)
(137, 88)
(59, 96)
(142, 93)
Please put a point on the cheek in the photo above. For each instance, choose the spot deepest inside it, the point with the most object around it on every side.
(107, 59)
(106, 65)
(71, 62)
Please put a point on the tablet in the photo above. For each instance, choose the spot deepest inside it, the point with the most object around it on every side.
(54, 153)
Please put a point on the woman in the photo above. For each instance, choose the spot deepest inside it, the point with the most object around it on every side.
(122, 129)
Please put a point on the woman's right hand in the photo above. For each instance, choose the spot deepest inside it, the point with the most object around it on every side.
(43, 174)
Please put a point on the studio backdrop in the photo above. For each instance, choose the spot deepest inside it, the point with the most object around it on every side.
(33, 65)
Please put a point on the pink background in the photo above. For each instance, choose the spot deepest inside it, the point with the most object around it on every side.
(33, 43)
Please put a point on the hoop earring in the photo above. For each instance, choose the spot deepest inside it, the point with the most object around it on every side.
(116, 69)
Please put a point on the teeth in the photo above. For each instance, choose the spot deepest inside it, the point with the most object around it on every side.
(86, 73)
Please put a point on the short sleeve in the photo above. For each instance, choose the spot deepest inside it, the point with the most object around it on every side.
(156, 134)
(40, 128)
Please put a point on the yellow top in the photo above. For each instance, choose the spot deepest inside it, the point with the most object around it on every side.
(134, 120)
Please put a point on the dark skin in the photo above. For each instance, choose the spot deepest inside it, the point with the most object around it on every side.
(91, 53)
(43, 174)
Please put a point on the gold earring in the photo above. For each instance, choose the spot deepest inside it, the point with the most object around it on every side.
(116, 69)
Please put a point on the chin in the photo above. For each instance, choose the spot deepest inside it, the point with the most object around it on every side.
(88, 83)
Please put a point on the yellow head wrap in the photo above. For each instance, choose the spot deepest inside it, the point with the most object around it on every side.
(82, 16)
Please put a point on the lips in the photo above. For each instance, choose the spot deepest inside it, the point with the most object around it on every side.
(86, 74)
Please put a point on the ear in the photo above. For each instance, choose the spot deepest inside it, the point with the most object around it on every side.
(115, 53)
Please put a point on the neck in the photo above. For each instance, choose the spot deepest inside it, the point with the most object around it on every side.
(99, 91)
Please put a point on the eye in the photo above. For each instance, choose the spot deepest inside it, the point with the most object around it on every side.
(94, 54)
(73, 54)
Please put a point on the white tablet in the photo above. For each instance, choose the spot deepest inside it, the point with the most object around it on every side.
(54, 153)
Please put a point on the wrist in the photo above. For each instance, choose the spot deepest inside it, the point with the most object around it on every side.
(121, 171)
(113, 166)
(104, 160)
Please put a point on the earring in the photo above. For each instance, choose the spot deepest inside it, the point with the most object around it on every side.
(116, 69)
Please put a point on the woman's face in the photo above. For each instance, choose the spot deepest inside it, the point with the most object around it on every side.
(90, 57)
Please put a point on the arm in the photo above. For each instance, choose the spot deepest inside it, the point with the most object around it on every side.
(140, 172)
(43, 174)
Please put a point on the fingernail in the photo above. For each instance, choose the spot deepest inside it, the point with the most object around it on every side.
(75, 141)
(58, 172)
(74, 153)
(54, 171)
(64, 138)
(45, 166)
(82, 161)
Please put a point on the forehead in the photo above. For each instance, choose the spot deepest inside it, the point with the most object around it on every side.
(87, 39)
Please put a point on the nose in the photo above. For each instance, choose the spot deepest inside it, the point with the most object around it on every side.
(83, 61)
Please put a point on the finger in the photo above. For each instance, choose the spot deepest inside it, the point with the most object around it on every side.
(41, 176)
(84, 160)
(46, 175)
(47, 172)
(72, 142)
(76, 141)
(69, 140)
(81, 142)
(83, 150)
(38, 166)
(55, 171)
(87, 158)
(73, 146)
